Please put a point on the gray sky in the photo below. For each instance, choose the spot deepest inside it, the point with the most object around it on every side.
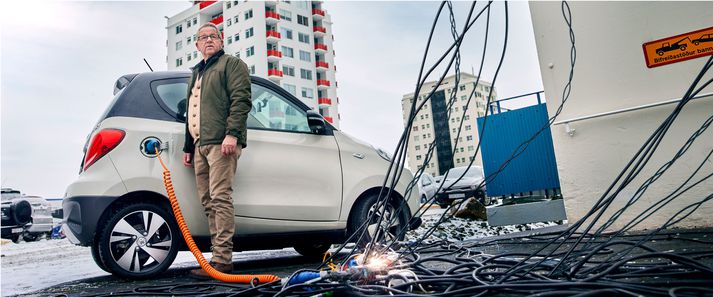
(59, 61)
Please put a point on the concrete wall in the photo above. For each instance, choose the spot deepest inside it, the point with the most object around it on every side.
(611, 74)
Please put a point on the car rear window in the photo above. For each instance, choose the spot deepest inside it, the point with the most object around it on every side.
(171, 95)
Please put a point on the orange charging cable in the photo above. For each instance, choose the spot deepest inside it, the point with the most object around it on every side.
(224, 277)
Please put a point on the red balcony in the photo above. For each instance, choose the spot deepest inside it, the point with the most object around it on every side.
(274, 72)
(204, 4)
(274, 53)
(318, 30)
(317, 13)
(217, 21)
(321, 47)
(329, 119)
(273, 34)
(322, 64)
(322, 84)
(324, 101)
(271, 17)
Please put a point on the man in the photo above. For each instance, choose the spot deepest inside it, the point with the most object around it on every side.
(218, 106)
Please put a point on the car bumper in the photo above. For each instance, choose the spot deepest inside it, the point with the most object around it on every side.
(456, 194)
(81, 215)
(10, 230)
(40, 225)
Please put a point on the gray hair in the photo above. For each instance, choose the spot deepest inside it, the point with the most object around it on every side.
(211, 25)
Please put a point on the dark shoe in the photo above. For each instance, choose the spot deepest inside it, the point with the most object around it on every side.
(202, 274)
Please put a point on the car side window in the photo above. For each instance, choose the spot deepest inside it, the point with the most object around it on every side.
(272, 111)
(172, 93)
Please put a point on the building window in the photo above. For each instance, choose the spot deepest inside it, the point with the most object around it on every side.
(288, 70)
(470, 148)
(188, 23)
(305, 56)
(467, 117)
(469, 138)
(303, 20)
(305, 74)
(195, 54)
(235, 3)
(286, 33)
(467, 127)
(290, 88)
(415, 128)
(249, 52)
(179, 29)
(286, 15)
(229, 4)
(461, 149)
(462, 88)
(249, 14)
(304, 38)
(249, 33)
(230, 39)
(179, 62)
(235, 19)
(415, 138)
(230, 21)
(188, 57)
(188, 40)
(252, 68)
(288, 52)
(236, 37)
(307, 93)
(179, 45)
(418, 147)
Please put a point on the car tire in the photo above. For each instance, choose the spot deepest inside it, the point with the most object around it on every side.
(29, 237)
(139, 241)
(15, 238)
(95, 256)
(312, 250)
(364, 208)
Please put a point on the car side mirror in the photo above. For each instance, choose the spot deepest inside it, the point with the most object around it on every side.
(315, 122)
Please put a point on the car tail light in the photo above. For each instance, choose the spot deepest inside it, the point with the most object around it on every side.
(101, 144)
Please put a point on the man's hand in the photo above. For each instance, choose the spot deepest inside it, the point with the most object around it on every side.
(187, 158)
(229, 146)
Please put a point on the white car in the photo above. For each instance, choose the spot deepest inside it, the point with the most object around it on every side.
(40, 220)
(300, 182)
(427, 187)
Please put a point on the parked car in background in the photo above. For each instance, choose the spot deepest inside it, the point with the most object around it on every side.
(466, 187)
(40, 216)
(16, 213)
(427, 187)
(301, 182)
(41, 222)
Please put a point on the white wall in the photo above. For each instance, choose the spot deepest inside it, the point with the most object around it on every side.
(611, 74)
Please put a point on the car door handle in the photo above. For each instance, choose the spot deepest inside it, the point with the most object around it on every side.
(358, 156)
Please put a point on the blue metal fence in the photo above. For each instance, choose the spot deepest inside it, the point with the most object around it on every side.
(533, 170)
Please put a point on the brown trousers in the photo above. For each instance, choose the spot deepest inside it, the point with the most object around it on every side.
(214, 181)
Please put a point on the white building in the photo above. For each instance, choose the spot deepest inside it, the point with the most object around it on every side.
(288, 42)
(432, 123)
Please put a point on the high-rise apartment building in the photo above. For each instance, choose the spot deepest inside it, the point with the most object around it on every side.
(438, 124)
(287, 42)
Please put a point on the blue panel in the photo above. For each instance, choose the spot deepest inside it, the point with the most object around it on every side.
(535, 168)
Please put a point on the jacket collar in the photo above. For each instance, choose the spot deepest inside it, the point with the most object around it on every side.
(203, 65)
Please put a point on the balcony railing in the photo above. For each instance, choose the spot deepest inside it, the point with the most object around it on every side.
(322, 64)
(318, 12)
(320, 29)
(217, 21)
(274, 72)
(320, 46)
(329, 119)
(323, 83)
(324, 101)
(272, 15)
(273, 34)
(274, 53)
(204, 4)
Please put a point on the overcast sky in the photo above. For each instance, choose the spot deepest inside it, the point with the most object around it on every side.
(59, 61)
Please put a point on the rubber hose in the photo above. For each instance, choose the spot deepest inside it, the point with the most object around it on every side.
(224, 277)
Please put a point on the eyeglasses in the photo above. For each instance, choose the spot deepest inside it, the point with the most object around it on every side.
(211, 36)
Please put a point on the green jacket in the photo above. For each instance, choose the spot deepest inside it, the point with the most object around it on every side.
(225, 100)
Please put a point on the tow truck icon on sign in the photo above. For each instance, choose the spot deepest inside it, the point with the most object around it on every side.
(665, 47)
(703, 38)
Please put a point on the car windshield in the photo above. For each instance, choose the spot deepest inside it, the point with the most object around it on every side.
(10, 195)
(473, 172)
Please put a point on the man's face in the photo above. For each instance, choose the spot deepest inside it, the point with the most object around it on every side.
(209, 42)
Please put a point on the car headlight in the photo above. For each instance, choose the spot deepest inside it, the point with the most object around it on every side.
(383, 154)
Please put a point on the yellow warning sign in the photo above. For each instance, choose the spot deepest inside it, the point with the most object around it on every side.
(679, 48)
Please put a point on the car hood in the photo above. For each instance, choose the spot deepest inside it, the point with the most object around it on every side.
(465, 182)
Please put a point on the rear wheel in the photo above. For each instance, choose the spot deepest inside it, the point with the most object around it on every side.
(139, 241)
(312, 250)
(366, 209)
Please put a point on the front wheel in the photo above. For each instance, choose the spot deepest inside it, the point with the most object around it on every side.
(366, 214)
(139, 241)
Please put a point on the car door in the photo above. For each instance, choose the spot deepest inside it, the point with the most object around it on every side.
(286, 173)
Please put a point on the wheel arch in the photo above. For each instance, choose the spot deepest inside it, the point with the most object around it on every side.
(128, 198)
